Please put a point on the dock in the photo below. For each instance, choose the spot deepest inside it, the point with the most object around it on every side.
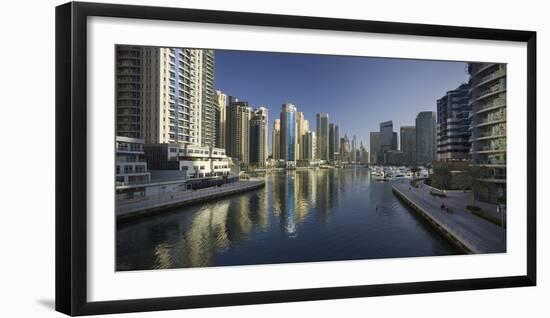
(466, 231)
(157, 203)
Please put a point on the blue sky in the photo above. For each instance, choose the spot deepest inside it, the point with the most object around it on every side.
(358, 93)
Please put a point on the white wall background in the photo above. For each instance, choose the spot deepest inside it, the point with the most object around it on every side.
(27, 177)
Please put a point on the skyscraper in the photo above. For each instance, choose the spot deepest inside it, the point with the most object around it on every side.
(488, 124)
(300, 131)
(322, 132)
(237, 138)
(386, 136)
(374, 146)
(331, 142)
(276, 140)
(209, 107)
(425, 138)
(309, 145)
(336, 140)
(164, 95)
(408, 143)
(221, 115)
(258, 137)
(453, 124)
(288, 133)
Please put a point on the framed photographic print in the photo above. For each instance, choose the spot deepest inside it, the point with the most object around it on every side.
(209, 158)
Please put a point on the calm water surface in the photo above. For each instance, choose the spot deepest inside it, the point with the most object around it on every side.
(300, 216)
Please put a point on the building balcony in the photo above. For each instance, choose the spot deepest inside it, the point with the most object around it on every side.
(485, 66)
(479, 81)
(488, 136)
(496, 104)
(483, 150)
(491, 92)
(126, 56)
(493, 121)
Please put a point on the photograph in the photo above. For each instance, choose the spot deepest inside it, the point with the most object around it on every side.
(237, 158)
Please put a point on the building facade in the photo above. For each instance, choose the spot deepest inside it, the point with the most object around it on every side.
(425, 137)
(374, 141)
(300, 131)
(408, 143)
(209, 105)
(237, 138)
(488, 123)
(165, 95)
(259, 137)
(386, 136)
(131, 166)
(276, 140)
(289, 133)
(331, 142)
(221, 118)
(322, 131)
(309, 145)
(453, 124)
(186, 161)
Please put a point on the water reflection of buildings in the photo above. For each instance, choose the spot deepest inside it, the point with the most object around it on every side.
(207, 234)
(327, 194)
(221, 225)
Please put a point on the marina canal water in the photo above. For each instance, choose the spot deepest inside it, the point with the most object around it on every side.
(299, 216)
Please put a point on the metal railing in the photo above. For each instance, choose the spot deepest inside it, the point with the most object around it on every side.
(163, 199)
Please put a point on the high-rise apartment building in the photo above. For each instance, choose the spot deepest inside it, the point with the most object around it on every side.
(453, 124)
(488, 123)
(237, 138)
(209, 107)
(425, 138)
(276, 139)
(288, 133)
(309, 145)
(322, 132)
(300, 131)
(408, 143)
(259, 137)
(165, 95)
(221, 118)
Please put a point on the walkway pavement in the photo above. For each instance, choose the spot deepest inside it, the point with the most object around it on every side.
(138, 206)
(480, 235)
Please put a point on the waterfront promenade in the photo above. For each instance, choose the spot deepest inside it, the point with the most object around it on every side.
(471, 232)
(154, 203)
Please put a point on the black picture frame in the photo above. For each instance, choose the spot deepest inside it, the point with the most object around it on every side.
(71, 157)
